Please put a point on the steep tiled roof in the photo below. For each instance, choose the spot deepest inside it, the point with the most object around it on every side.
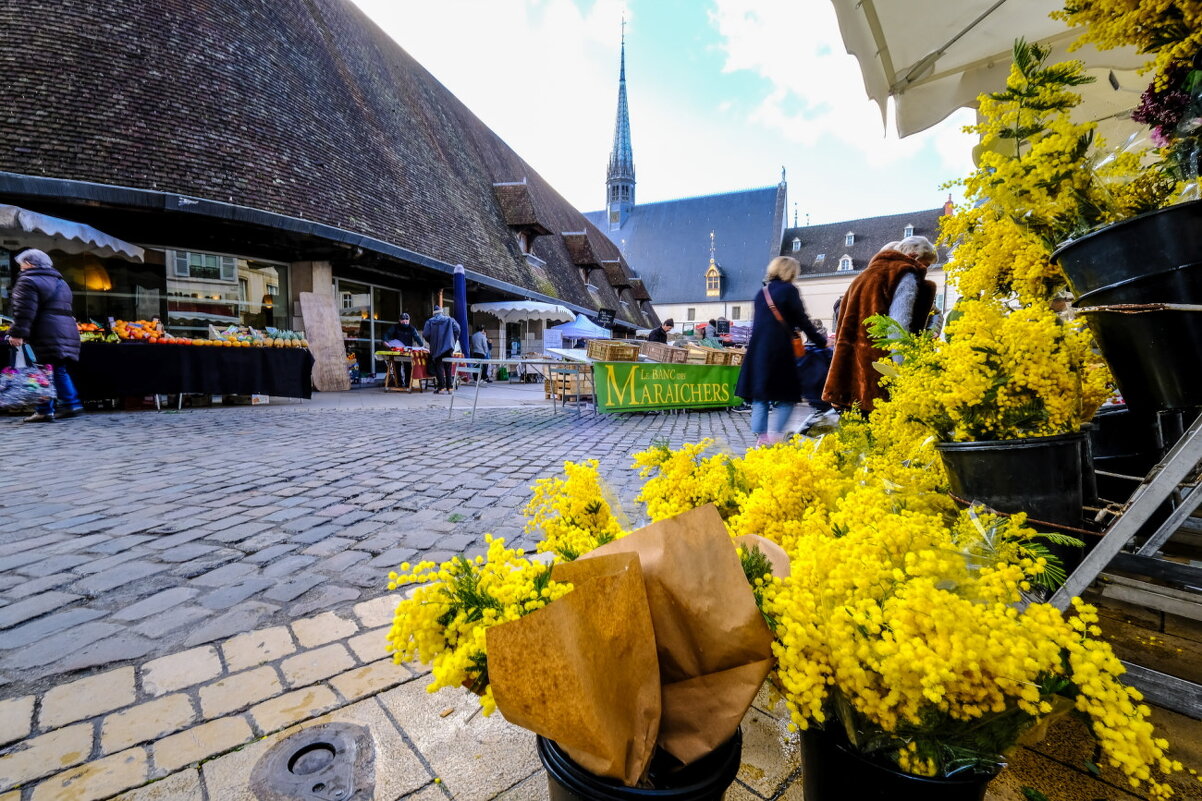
(303, 108)
(822, 246)
(668, 243)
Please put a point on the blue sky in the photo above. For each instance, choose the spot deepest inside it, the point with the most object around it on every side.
(723, 93)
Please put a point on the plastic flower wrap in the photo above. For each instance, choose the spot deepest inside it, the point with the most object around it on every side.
(1172, 104)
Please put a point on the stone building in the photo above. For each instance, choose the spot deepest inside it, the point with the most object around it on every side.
(261, 148)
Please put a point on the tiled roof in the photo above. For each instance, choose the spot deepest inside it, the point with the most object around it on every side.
(668, 243)
(823, 246)
(299, 108)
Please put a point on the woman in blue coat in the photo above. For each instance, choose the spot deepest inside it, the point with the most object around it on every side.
(769, 371)
(43, 316)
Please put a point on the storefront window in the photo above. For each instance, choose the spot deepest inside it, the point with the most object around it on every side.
(367, 312)
(122, 290)
(206, 289)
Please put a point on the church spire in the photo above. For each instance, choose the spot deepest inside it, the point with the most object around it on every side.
(619, 180)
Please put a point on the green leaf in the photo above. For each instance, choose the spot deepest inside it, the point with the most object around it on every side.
(1031, 794)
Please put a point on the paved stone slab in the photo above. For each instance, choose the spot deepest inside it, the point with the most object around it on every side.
(239, 691)
(146, 722)
(87, 697)
(16, 719)
(177, 671)
(200, 742)
(257, 647)
(36, 606)
(41, 756)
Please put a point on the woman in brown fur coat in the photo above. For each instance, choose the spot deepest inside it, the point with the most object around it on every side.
(893, 284)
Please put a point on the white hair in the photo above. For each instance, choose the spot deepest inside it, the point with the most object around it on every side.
(918, 248)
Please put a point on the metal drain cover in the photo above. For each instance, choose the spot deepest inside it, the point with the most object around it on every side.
(327, 762)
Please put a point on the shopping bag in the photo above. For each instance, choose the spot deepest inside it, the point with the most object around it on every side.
(24, 382)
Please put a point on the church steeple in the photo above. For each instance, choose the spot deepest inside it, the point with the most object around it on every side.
(619, 180)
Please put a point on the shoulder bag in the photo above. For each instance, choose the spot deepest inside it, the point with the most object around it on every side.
(799, 345)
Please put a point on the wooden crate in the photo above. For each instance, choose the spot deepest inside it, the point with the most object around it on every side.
(700, 355)
(570, 385)
(735, 357)
(659, 352)
(613, 350)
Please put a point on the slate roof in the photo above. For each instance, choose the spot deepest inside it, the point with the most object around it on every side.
(302, 108)
(668, 243)
(870, 233)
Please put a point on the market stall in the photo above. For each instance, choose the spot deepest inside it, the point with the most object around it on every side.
(627, 380)
(417, 360)
(116, 370)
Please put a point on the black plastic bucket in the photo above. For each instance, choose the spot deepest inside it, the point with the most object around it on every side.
(834, 771)
(1151, 242)
(1040, 476)
(704, 780)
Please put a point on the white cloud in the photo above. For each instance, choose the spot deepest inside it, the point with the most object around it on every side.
(817, 94)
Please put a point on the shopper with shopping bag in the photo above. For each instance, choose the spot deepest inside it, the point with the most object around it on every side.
(43, 316)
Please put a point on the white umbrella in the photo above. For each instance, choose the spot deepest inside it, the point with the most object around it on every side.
(933, 57)
(512, 311)
(25, 228)
(515, 311)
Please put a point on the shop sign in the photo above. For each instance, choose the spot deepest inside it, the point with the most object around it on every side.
(605, 318)
(644, 386)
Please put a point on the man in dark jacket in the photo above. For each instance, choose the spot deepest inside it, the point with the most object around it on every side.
(43, 316)
(661, 334)
(442, 333)
(407, 334)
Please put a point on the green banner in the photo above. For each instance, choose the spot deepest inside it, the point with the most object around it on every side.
(644, 386)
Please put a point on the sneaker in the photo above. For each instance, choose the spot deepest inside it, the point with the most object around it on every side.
(40, 418)
(820, 421)
(63, 414)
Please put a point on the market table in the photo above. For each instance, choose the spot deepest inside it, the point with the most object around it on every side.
(472, 366)
(417, 361)
(116, 370)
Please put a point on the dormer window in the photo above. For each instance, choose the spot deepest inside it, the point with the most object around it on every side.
(524, 241)
(820, 259)
(713, 282)
(909, 231)
(796, 244)
(844, 263)
(850, 239)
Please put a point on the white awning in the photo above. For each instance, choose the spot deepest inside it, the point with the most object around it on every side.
(22, 228)
(934, 57)
(514, 311)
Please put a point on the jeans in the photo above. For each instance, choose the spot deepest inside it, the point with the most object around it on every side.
(759, 417)
(64, 388)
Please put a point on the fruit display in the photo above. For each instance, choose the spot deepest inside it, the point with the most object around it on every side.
(151, 332)
(245, 336)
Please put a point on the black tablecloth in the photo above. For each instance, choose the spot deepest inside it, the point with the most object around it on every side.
(114, 370)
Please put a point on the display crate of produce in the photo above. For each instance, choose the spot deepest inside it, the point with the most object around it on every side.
(613, 350)
(659, 352)
(699, 355)
(735, 357)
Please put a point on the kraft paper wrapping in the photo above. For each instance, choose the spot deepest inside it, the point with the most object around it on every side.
(582, 671)
(577, 671)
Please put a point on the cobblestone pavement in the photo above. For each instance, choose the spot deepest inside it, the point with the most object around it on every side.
(127, 536)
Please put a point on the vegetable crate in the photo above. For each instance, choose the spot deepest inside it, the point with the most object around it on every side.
(700, 355)
(613, 350)
(659, 352)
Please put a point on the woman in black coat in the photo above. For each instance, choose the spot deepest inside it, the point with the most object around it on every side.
(43, 316)
(769, 371)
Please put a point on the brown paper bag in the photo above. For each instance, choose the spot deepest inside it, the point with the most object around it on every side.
(714, 648)
(583, 671)
(669, 605)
